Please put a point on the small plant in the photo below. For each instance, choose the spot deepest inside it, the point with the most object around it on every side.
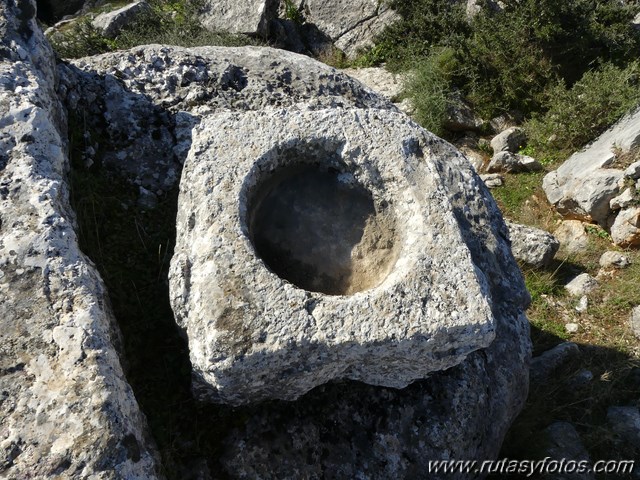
(293, 13)
(597, 231)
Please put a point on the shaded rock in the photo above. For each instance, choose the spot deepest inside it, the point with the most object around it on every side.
(634, 321)
(572, 237)
(111, 24)
(506, 120)
(248, 17)
(610, 260)
(564, 443)
(513, 163)
(476, 160)
(625, 423)
(633, 171)
(583, 185)
(50, 11)
(312, 328)
(581, 285)
(532, 246)
(624, 200)
(493, 180)
(581, 379)
(459, 116)
(543, 366)
(66, 409)
(510, 140)
(625, 231)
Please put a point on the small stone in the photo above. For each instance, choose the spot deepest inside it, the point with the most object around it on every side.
(572, 237)
(581, 285)
(582, 304)
(625, 231)
(634, 321)
(532, 246)
(612, 259)
(572, 327)
(624, 200)
(492, 180)
(581, 379)
(511, 140)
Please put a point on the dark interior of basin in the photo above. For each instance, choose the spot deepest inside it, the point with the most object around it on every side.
(320, 230)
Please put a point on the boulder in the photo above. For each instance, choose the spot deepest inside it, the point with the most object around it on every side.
(66, 409)
(384, 83)
(572, 236)
(583, 186)
(510, 140)
(459, 116)
(248, 17)
(581, 285)
(532, 246)
(506, 120)
(110, 24)
(326, 315)
(513, 163)
(624, 200)
(633, 171)
(148, 100)
(625, 231)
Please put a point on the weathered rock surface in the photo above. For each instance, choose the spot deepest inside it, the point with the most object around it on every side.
(111, 24)
(381, 81)
(336, 429)
(459, 116)
(144, 103)
(326, 310)
(510, 140)
(532, 246)
(572, 237)
(634, 321)
(66, 410)
(581, 285)
(625, 231)
(624, 200)
(584, 185)
(492, 180)
(249, 17)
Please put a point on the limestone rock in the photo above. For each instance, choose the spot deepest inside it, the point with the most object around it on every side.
(492, 180)
(328, 295)
(543, 366)
(111, 23)
(634, 321)
(572, 237)
(532, 246)
(66, 409)
(633, 171)
(250, 17)
(506, 120)
(513, 163)
(509, 140)
(381, 81)
(459, 116)
(361, 35)
(335, 430)
(624, 200)
(143, 103)
(581, 285)
(611, 259)
(625, 231)
(583, 185)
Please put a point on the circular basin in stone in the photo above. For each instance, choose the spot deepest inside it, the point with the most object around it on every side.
(320, 230)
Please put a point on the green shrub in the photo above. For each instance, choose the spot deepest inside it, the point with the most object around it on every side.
(579, 114)
(429, 88)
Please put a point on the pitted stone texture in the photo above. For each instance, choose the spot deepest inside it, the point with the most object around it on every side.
(66, 410)
(347, 430)
(141, 104)
(253, 335)
(532, 246)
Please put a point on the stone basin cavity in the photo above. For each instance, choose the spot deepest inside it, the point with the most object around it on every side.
(319, 229)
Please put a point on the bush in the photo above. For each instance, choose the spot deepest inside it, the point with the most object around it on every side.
(579, 114)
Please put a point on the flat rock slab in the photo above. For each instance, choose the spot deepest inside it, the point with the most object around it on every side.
(276, 300)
